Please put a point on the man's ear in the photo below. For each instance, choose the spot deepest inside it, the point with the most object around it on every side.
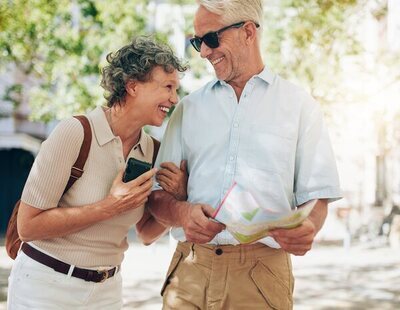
(251, 32)
(131, 87)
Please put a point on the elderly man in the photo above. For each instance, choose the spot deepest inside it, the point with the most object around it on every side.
(247, 125)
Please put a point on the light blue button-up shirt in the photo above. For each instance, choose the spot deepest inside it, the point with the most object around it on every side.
(273, 143)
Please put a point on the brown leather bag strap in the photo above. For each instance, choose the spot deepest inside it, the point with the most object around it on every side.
(156, 144)
(12, 241)
(77, 168)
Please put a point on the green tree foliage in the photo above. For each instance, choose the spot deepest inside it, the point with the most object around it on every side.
(307, 40)
(62, 43)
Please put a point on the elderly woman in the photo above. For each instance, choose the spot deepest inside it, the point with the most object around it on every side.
(86, 228)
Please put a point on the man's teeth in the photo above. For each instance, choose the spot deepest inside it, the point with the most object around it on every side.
(164, 109)
(215, 61)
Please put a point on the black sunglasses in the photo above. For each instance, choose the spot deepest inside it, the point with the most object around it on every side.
(211, 39)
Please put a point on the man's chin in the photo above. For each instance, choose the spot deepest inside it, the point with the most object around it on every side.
(223, 76)
(220, 76)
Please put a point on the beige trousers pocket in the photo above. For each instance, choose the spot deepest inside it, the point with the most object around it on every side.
(274, 290)
(172, 267)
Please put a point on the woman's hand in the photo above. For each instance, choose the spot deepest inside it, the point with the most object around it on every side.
(133, 194)
(173, 179)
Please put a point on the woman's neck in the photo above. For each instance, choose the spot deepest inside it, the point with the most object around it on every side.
(123, 126)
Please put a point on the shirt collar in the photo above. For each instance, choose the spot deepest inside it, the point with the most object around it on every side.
(143, 143)
(266, 75)
(101, 128)
(104, 134)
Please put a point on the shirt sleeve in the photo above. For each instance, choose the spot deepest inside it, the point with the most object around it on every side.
(171, 144)
(316, 175)
(52, 167)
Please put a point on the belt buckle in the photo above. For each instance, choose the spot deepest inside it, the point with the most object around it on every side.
(104, 274)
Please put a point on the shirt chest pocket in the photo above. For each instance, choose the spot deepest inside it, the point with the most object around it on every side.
(269, 149)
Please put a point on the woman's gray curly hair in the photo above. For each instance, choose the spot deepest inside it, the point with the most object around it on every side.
(135, 61)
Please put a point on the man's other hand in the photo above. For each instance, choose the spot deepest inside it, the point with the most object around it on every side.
(297, 241)
(198, 226)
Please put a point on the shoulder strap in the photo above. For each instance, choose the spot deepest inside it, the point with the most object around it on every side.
(77, 168)
(12, 240)
(156, 144)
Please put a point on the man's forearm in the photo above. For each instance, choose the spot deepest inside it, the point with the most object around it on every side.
(166, 209)
(319, 213)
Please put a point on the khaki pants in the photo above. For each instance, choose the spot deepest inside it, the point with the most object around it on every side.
(228, 277)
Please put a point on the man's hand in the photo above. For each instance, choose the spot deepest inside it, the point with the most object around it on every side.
(297, 241)
(193, 218)
(198, 226)
(173, 179)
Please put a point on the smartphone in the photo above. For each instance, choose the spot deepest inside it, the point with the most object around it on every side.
(135, 168)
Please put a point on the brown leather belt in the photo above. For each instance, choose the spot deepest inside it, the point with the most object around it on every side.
(59, 266)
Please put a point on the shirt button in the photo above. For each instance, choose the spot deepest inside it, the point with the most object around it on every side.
(236, 125)
(231, 158)
(219, 251)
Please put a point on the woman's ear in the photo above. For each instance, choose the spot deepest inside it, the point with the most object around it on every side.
(131, 88)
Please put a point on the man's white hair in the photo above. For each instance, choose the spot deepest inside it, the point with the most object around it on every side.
(233, 11)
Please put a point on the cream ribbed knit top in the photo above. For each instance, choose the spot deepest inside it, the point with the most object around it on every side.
(104, 243)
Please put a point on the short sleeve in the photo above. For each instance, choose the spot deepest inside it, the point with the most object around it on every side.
(171, 143)
(316, 175)
(52, 167)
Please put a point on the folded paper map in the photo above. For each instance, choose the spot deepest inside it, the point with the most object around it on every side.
(248, 221)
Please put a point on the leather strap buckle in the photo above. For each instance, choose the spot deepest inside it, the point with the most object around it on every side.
(76, 173)
(104, 275)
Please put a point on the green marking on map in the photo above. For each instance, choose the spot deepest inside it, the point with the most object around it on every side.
(245, 231)
(250, 215)
(243, 239)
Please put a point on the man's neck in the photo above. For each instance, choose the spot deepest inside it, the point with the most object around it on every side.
(239, 84)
